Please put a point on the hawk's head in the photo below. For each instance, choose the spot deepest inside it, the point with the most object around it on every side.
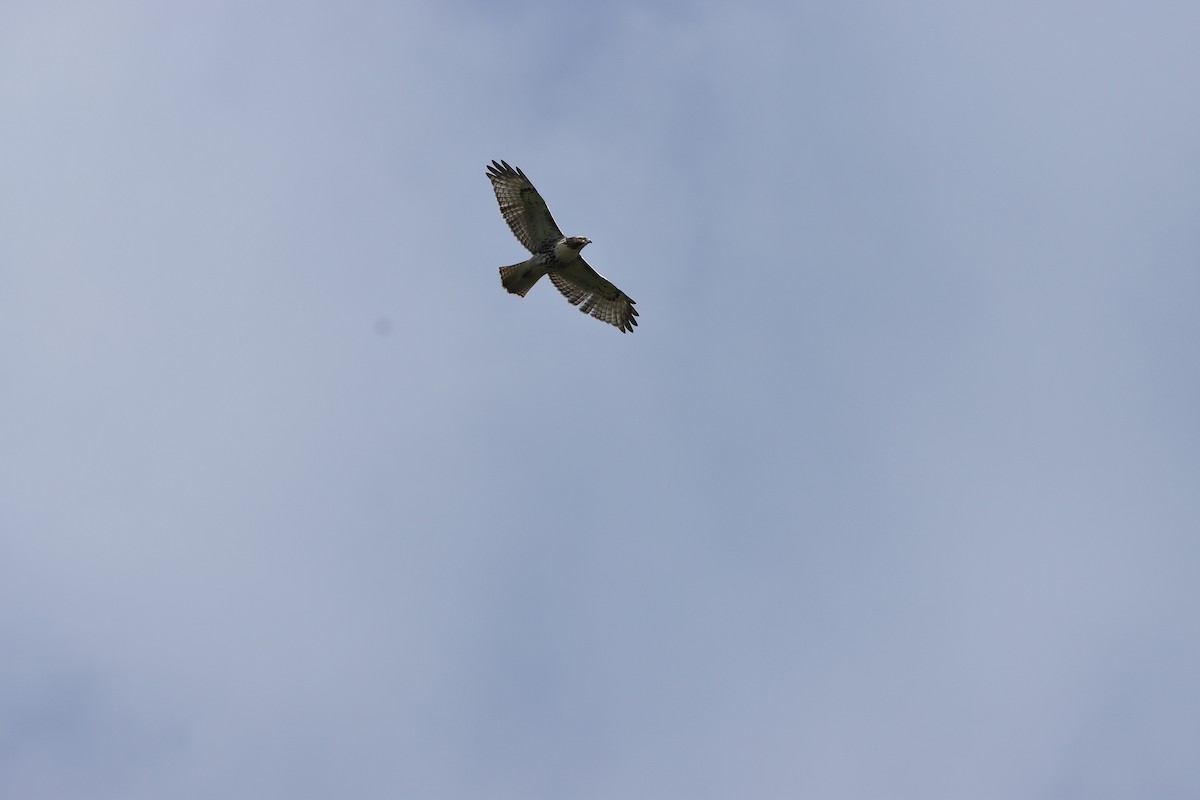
(567, 250)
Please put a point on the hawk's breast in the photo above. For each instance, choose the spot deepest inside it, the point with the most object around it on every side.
(564, 252)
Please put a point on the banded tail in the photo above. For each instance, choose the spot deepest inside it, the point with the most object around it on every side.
(520, 278)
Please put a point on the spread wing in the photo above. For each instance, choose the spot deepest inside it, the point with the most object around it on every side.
(595, 295)
(523, 208)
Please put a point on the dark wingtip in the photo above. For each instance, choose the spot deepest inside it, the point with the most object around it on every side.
(502, 168)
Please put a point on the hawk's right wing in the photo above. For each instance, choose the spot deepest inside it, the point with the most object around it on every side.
(595, 294)
(523, 208)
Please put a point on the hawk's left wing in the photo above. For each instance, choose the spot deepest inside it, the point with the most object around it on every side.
(523, 208)
(595, 294)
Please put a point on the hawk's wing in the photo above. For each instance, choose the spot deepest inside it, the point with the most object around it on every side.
(594, 294)
(523, 208)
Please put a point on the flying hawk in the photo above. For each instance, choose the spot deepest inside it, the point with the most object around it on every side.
(526, 213)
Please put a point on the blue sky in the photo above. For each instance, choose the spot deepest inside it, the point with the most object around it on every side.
(893, 492)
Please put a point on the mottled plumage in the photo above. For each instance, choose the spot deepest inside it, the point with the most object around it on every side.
(552, 253)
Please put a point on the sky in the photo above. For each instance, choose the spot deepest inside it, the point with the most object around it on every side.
(892, 493)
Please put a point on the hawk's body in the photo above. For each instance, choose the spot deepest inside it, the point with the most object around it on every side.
(553, 254)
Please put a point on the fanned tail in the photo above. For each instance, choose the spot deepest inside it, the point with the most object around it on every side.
(520, 278)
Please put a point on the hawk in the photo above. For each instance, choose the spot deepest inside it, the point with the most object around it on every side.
(554, 254)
